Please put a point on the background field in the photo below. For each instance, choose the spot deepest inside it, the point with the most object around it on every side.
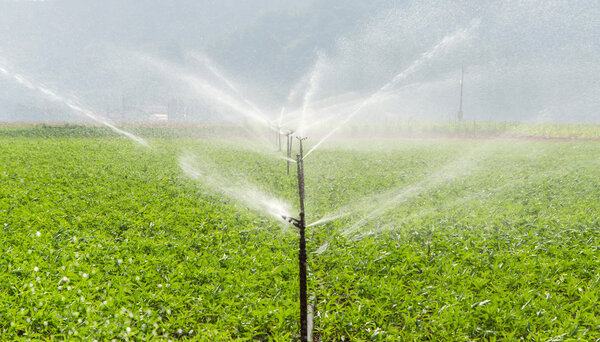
(439, 239)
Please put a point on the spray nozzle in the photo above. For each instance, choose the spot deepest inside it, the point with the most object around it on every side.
(291, 220)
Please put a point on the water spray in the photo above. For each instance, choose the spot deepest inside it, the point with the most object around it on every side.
(300, 223)
(71, 104)
(278, 139)
(446, 43)
(289, 139)
(460, 107)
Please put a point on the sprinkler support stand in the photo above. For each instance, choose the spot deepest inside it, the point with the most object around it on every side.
(301, 225)
(302, 249)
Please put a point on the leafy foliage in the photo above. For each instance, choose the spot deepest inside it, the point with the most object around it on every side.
(460, 240)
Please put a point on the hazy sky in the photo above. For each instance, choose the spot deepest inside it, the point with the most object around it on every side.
(523, 60)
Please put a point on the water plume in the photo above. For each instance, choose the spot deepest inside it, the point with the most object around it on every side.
(354, 232)
(373, 207)
(451, 172)
(446, 43)
(328, 219)
(281, 115)
(327, 110)
(442, 46)
(213, 69)
(240, 190)
(53, 96)
(208, 91)
(313, 83)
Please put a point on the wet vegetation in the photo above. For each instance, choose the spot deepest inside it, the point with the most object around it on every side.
(475, 239)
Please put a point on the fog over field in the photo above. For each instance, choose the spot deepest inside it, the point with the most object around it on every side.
(130, 60)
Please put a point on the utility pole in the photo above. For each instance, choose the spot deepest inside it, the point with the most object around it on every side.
(460, 107)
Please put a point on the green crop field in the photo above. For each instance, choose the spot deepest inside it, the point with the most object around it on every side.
(415, 239)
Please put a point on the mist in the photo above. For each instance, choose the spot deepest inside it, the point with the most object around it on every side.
(533, 61)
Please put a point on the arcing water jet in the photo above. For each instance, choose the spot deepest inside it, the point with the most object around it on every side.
(204, 172)
(53, 96)
(443, 45)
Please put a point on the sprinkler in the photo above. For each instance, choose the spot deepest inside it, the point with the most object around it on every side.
(300, 223)
(291, 220)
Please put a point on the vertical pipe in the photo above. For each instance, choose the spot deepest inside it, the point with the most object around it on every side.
(302, 250)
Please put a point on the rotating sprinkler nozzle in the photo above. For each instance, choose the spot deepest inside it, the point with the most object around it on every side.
(292, 220)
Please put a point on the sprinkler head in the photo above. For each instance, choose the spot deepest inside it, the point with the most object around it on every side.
(291, 220)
